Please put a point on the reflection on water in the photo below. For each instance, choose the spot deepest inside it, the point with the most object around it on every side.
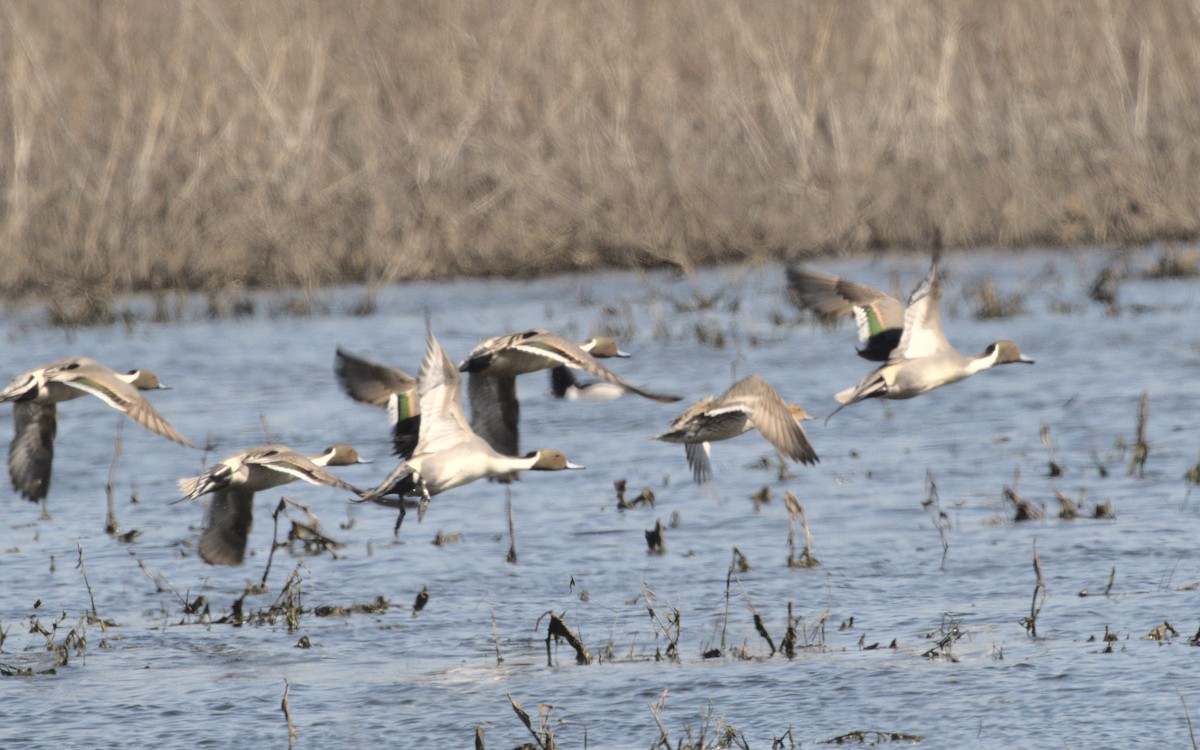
(864, 620)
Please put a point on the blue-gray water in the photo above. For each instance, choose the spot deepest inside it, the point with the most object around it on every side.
(160, 678)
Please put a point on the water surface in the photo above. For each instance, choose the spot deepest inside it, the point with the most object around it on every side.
(869, 616)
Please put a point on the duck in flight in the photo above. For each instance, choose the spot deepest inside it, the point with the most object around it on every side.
(750, 403)
(395, 390)
(386, 388)
(494, 365)
(234, 480)
(35, 396)
(908, 339)
(449, 453)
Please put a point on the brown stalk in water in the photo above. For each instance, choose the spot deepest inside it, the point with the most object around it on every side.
(941, 521)
(1056, 468)
(670, 629)
(543, 736)
(112, 527)
(655, 538)
(511, 558)
(1035, 605)
(287, 713)
(796, 515)
(558, 630)
(1141, 448)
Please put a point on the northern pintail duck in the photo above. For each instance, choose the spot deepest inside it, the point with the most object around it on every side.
(387, 388)
(35, 396)
(449, 454)
(495, 364)
(564, 385)
(920, 359)
(234, 480)
(750, 403)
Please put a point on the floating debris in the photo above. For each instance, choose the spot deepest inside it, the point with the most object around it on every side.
(645, 498)
(761, 498)
(654, 538)
(1025, 510)
(872, 737)
(947, 633)
(1193, 474)
(1163, 632)
(310, 537)
(379, 606)
(1067, 509)
(441, 540)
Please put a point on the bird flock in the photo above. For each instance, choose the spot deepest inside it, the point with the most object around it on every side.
(439, 449)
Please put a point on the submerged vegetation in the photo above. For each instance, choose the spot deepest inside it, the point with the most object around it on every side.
(207, 146)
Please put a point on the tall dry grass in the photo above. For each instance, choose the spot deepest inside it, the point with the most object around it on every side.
(185, 145)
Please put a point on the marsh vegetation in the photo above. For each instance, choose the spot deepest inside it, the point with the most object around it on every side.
(224, 146)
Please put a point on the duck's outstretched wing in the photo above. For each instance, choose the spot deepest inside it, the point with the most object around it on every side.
(122, 396)
(923, 335)
(698, 455)
(31, 453)
(370, 382)
(878, 316)
(495, 411)
(227, 527)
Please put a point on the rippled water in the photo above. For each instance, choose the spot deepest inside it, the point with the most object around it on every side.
(162, 677)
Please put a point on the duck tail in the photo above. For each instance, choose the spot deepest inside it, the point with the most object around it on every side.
(402, 481)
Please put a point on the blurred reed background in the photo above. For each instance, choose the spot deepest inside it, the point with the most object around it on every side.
(152, 145)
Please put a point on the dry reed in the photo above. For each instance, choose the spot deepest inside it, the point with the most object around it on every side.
(220, 145)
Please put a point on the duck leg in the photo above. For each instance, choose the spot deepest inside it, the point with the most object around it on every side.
(425, 498)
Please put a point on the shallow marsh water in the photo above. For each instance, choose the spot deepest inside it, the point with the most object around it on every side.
(163, 677)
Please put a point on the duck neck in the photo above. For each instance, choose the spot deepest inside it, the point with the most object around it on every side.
(515, 463)
(982, 362)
